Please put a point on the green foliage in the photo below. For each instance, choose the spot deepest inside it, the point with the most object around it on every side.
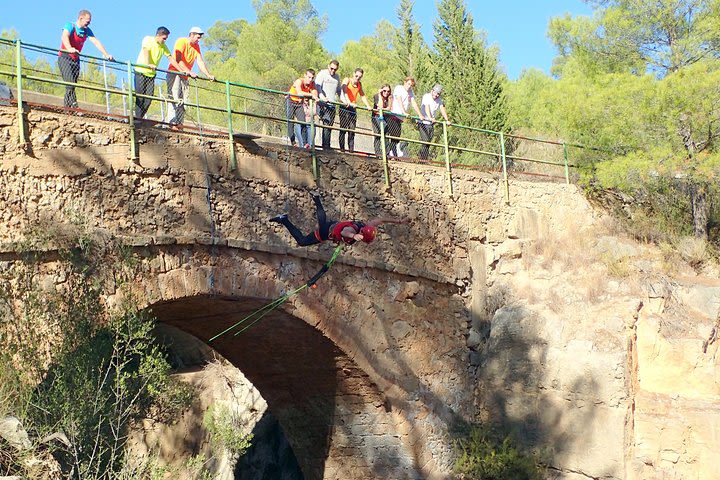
(410, 55)
(640, 36)
(78, 367)
(483, 456)
(227, 429)
(371, 53)
(639, 80)
(273, 51)
(270, 53)
(474, 86)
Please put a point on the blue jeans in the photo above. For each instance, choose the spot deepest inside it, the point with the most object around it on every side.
(297, 132)
(326, 111)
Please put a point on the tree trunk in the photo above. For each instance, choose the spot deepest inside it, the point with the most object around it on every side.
(698, 199)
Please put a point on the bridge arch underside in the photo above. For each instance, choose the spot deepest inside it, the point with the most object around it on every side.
(335, 418)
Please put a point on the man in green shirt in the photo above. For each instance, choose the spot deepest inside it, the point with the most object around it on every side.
(151, 52)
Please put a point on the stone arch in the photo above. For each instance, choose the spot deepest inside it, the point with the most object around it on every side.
(337, 419)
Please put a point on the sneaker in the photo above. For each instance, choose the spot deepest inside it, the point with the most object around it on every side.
(279, 218)
(307, 146)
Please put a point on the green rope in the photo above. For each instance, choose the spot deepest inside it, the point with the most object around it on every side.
(258, 314)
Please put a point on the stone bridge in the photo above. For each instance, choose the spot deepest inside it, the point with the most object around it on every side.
(369, 373)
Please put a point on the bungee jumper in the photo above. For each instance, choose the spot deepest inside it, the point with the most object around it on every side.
(341, 232)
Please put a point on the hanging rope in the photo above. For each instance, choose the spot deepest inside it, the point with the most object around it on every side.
(208, 184)
(258, 314)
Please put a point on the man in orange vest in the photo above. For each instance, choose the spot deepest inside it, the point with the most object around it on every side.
(300, 92)
(351, 92)
(186, 52)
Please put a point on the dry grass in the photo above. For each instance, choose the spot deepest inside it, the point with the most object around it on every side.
(620, 267)
(693, 250)
(571, 251)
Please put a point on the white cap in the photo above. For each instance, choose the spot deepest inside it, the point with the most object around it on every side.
(197, 30)
(437, 88)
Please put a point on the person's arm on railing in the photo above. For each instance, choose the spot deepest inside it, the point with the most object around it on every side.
(65, 43)
(180, 67)
(365, 101)
(203, 68)
(443, 112)
(413, 102)
(343, 92)
(100, 47)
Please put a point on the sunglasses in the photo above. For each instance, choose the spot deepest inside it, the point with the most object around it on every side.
(385, 91)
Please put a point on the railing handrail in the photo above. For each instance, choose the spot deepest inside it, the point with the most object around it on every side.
(305, 95)
(128, 68)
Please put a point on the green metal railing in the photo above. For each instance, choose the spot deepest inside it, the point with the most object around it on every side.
(264, 112)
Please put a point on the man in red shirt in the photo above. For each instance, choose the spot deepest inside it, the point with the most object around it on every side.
(186, 52)
(71, 43)
(347, 232)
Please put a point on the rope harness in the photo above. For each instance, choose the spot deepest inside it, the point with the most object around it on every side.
(258, 314)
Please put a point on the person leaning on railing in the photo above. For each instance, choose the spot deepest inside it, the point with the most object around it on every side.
(349, 94)
(429, 106)
(186, 52)
(403, 97)
(327, 84)
(297, 108)
(72, 40)
(151, 52)
(382, 101)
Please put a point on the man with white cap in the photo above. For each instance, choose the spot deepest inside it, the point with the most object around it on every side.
(186, 52)
(429, 106)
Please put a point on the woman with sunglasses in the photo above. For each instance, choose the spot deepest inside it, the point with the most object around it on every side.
(382, 102)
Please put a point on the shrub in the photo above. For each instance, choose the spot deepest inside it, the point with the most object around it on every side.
(78, 368)
(482, 456)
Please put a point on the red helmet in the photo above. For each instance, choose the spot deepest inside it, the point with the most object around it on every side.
(368, 232)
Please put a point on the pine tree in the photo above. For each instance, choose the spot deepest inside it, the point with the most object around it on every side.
(411, 53)
(468, 70)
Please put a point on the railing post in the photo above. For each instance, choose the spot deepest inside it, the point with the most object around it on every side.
(311, 138)
(504, 165)
(131, 114)
(447, 158)
(383, 149)
(107, 93)
(247, 126)
(124, 99)
(233, 158)
(567, 169)
(21, 121)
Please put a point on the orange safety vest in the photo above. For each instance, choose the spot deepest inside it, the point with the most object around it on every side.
(304, 88)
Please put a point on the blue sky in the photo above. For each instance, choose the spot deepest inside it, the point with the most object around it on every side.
(518, 27)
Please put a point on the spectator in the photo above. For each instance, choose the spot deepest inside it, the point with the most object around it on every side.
(429, 106)
(300, 91)
(72, 40)
(185, 52)
(328, 87)
(403, 97)
(381, 103)
(151, 52)
(350, 92)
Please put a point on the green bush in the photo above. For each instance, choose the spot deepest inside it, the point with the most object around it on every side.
(483, 456)
(77, 367)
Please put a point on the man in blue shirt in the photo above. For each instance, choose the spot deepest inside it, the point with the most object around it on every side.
(71, 43)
